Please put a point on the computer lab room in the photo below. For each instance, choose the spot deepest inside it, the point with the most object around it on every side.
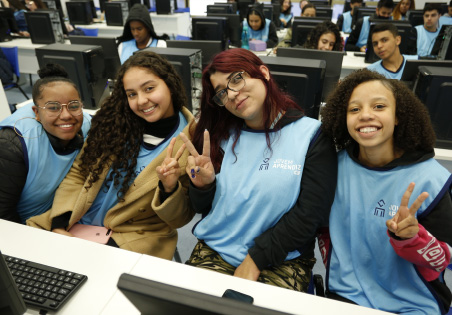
(125, 126)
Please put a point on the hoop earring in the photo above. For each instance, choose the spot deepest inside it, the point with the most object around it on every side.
(20, 135)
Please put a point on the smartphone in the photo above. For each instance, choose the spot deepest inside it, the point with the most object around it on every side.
(235, 295)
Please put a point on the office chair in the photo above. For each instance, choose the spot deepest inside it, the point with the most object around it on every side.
(316, 286)
(11, 54)
(90, 31)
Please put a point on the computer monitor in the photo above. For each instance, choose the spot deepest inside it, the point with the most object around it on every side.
(276, 13)
(234, 27)
(313, 69)
(210, 28)
(333, 61)
(11, 302)
(165, 6)
(320, 3)
(268, 11)
(411, 70)
(61, 16)
(152, 297)
(233, 4)
(242, 6)
(361, 12)
(44, 27)
(442, 6)
(322, 11)
(84, 64)
(416, 17)
(110, 51)
(225, 8)
(7, 14)
(116, 12)
(209, 48)
(443, 44)
(79, 12)
(434, 89)
(301, 27)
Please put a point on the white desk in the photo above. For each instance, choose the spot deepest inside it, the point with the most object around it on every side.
(351, 63)
(103, 265)
(173, 24)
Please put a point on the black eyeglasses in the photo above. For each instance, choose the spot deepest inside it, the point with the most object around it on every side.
(235, 84)
(54, 109)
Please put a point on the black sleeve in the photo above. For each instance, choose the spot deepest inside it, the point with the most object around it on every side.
(201, 200)
(435, 220)
(297, 228)
(164, 195)
(62, 221)
(13, 174)
(272, 36)
(354, 36)
(340, 22)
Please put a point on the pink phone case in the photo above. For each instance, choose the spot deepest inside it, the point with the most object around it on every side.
(98, 234)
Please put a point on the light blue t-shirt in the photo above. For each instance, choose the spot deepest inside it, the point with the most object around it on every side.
(425, 40)
(445, 20)
(378, 67)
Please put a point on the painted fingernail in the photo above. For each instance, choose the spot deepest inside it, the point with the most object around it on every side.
(192, 171)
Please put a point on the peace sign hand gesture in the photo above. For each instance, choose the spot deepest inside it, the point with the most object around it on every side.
(199, 167)
(169, 171)
(404, 224)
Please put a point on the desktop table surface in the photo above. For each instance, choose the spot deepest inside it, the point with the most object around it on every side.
(104, 264)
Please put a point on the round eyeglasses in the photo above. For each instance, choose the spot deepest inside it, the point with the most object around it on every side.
(235, 84)
(54, 109)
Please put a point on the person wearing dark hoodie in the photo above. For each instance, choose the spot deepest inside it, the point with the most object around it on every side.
(138, 33)
(260, 28)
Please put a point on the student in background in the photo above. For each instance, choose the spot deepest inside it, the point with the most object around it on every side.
(449, 10)
(401, 10)
(130, 175)
(19, 15)
(138, 33)
(344, 21)
(358, 37)
(427, 33)
(33, 5)
(263, 191)
(385, 43)
(388, 245)
(259, 27)
(303, 3)
(308, 10)
(325, 36)
(286, 14)
(39, 143)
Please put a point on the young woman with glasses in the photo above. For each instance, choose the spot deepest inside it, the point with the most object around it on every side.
(39, 144)
(130, 177)
(262, 173)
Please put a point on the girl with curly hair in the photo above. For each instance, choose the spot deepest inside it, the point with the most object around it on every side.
(130, 175)
(325, 36)
(385, 251)
(262, 173)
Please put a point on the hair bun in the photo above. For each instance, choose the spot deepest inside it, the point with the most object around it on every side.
(52, 70)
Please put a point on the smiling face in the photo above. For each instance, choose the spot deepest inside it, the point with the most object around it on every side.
(285, 5)
(371, 119)
(140, 33)
(385, 44)
(64, 126)
(149, 97)
(248, 103)
(326, 41)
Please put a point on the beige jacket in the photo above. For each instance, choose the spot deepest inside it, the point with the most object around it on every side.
(140, 223)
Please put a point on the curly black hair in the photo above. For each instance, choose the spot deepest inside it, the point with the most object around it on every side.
(414, 131)
(324, 28)
(116, 132)
(49, 74)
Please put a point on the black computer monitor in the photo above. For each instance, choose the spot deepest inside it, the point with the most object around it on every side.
(242, 6)
(7, 14)
(79, 12)
(361, 12)
(84, 64)
(233, 4)
(407, 33)
(442, 6)
(152, 297)
(11, 301)
(116, 12)
(313, 69)
(225, 8)
(333, 61)
(411, 70)
(301, 27)
(268, 11)
(434, 89)
(61, 18)
(416, 17)
(276, 13)
(44, 26)
(110, 51)
(322, 11)
(209, 48)
(320, 3)
(234, 27)
(443, 43)
(210, 28)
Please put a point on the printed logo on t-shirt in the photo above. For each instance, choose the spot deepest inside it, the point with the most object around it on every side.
(288, 165)
(379, 211)
(264, 166)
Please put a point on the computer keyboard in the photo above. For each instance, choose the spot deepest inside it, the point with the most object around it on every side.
(43, 286)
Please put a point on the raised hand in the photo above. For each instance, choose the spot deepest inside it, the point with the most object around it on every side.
(199, 167)
(169, 171)
(404, 224)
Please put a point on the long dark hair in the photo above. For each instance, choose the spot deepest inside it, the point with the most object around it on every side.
(324, 28)
(218, 120)
(116, 132)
